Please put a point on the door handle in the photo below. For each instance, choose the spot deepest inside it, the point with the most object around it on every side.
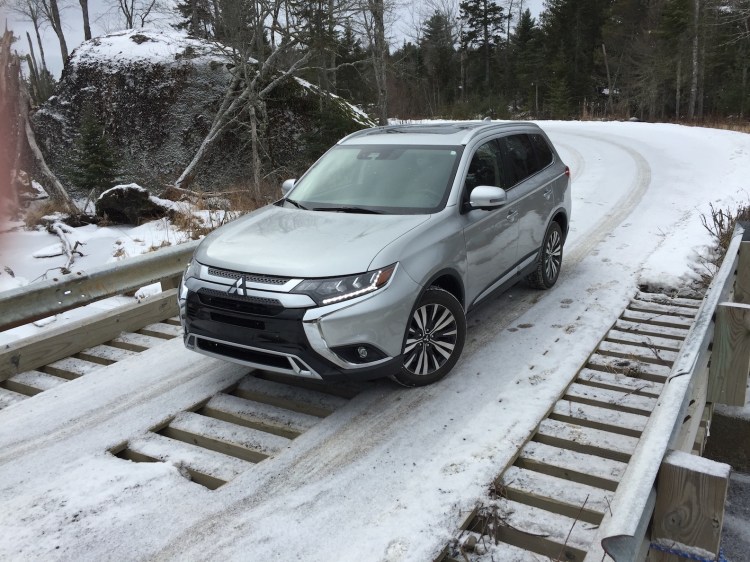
(548, 193)
(512, 215)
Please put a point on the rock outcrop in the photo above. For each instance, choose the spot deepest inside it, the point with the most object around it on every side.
(155, 93)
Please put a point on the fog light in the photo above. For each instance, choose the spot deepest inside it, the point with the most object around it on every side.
(359, 353)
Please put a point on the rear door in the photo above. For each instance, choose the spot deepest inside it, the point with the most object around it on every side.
(527, 158)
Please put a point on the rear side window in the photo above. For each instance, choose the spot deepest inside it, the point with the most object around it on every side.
(524, 155)
(543, 151)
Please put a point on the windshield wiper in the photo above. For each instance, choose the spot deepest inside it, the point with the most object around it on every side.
(347, 209)
(298, 205)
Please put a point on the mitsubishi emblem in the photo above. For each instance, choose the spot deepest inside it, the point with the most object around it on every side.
(239, 288)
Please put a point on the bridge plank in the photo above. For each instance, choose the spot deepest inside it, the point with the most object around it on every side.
(586, 439)
(666, 299)
(586, 469)
(637, 351)
(558, 495)
(618, 336)
(105, 354)
(599, 418)
(658, 308)
(135, 341)
(658, 319)
(651, 329)
(9, 397)
(630, 367)
(161, 330)
(613, 399)
(543, 532)
(31, 383)
(619, 381)
(256, 415)
(217, 435)
(69, 368)
(205, 461)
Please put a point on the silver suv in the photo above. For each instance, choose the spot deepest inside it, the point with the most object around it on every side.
(368, 264)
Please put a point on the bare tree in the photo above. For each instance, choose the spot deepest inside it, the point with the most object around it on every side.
(256, 70)
(50, 10)
(85, 13)
(31, 10)
(136, 12)
(15, 101)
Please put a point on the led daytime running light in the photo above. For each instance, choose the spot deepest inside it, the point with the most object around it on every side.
(381, 278)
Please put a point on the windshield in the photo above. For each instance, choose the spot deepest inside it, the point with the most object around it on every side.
(381, 179)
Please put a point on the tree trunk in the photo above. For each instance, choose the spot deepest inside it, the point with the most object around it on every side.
(254, 150)
(380, 51)
(85, 12)
(678, 83)
(695, 66)
(35, 22)
(56, 24)
(609, 81)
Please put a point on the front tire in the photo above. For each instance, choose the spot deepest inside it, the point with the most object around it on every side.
(550, 259)
(434, 338)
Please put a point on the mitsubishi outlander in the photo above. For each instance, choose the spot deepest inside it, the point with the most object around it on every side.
(368, 264)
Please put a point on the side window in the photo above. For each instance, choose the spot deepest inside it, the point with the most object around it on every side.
(520, 157)
(542, 149)
(485, 168)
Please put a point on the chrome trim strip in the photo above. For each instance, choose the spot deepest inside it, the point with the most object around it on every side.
(287, 300)
(297, 367)
(315, 337)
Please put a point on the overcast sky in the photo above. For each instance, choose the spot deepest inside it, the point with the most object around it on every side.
(105, 18)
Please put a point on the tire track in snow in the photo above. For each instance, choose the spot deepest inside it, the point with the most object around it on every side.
(619, 211)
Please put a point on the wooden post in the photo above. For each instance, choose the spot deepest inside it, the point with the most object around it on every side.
(742, 283)
(689, 512)
(730, 357)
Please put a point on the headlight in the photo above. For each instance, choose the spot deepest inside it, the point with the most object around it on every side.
(193, 270)
(337, 289)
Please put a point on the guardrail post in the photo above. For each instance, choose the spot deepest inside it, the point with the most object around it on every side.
(742, 283)
(689, 512)
(730, 357)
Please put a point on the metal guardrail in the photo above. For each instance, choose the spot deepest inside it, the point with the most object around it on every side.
(622, 533)
(39, 300)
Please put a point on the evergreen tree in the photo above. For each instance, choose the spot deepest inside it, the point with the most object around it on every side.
(573, 34)
(484, 21)
(93, 163)
(527, 62)
(438, 46)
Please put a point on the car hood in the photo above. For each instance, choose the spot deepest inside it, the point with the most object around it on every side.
(298, 243)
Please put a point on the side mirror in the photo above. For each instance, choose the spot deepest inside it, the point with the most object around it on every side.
(287, 186)
(487, 197)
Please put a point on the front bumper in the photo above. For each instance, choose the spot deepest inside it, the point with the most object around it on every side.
(287, 333)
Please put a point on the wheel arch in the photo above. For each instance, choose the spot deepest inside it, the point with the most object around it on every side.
(448, 280)
(561, 218)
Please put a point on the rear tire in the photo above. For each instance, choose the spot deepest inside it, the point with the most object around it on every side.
(433, 340)
(549, 261)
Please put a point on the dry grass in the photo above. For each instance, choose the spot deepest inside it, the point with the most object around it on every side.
(38, 210)
(720, 224)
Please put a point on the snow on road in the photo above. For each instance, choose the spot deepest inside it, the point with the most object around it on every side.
(390, 475)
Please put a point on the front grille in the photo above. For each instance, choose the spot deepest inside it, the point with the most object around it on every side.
(237, 303)
(249, 277)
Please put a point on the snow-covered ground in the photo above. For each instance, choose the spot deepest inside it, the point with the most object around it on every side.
(390, 475)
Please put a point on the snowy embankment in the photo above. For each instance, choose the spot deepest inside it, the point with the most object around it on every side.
(390, 475)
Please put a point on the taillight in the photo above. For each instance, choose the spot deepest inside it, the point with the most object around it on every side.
(567, 171)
